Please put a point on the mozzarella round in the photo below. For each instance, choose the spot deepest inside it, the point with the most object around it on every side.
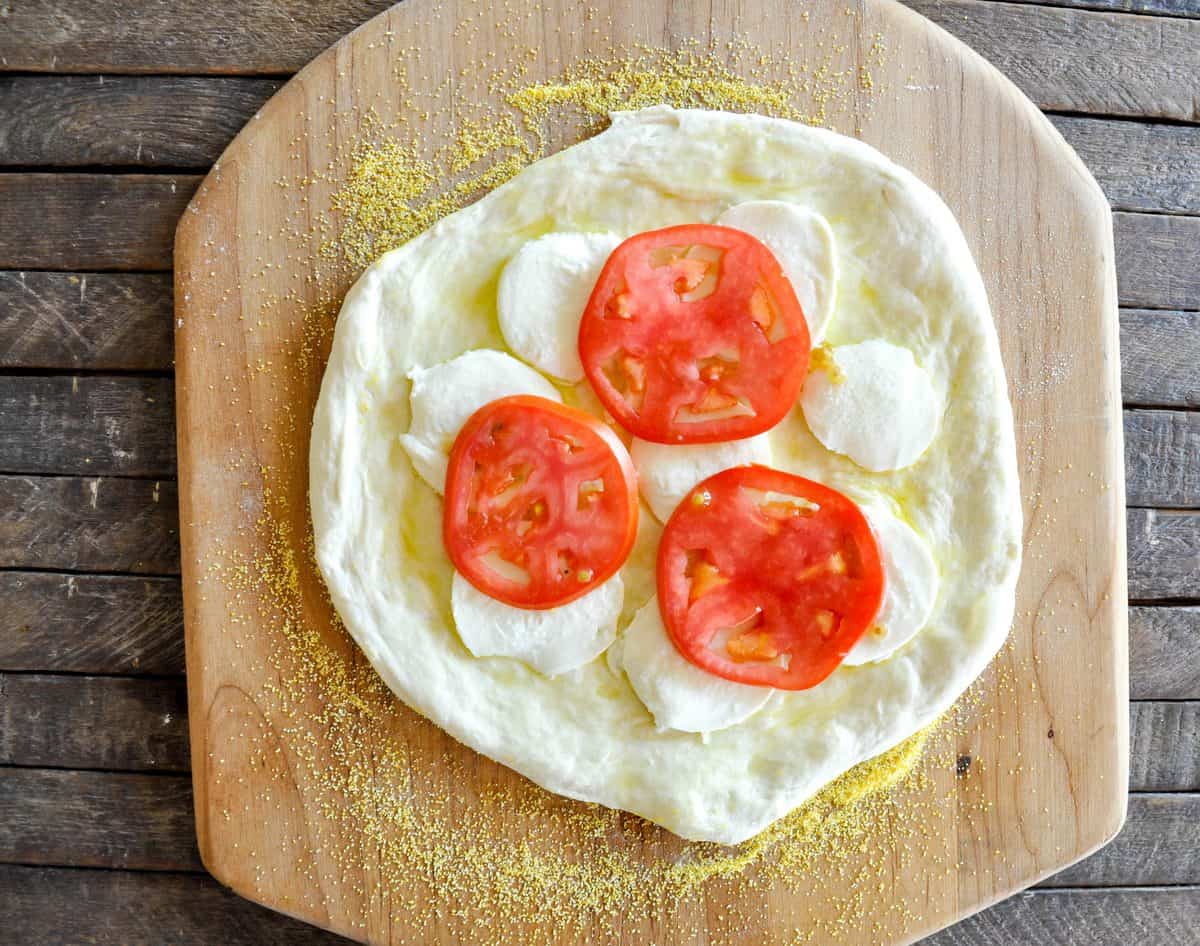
(552, 641)
(803, 242)
(874, 404)
(667, 472)
(443, 397)
(676, 692)
(910, 587)
(542, 295)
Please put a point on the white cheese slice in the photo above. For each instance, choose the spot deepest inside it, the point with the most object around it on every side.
(666, 472)
(551, 641)
(676, 692)
(443, 397)
(542, 294)
(878, 406)
(803, 242)
(910, 591)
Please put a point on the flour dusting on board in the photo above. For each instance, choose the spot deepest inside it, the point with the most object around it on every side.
(408, 826)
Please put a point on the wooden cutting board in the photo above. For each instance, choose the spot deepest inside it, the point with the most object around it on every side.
(293, 746)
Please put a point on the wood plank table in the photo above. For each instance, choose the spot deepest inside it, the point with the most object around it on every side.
(111, 111)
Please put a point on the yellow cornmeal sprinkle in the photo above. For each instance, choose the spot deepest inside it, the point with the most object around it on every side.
(406, 826)
(392, 193)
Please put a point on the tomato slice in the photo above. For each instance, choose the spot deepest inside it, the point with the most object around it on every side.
(694, 335)
(768, 578)
(541, 502)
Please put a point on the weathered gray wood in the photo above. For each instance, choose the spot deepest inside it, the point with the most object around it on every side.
(97, 524)
(95, 321)
(1162, 458)
(186, 36)
(93, 722)
(90, 623)
(90, 221)
(1150, 167)
(1160, 355)
(1164, 554)
(185, 122)
(1160, 7)
(122, 321)
(130, 724)
(1159, 844)
(131, 121)
(1158, 260)
(1164, 653)
(1083, 61)
(126, 426)
(1164, 753)
(87, 425)
(128, 625)
(107, 907)
(126, 221)
(1138, 917)
(1069, 60)
(97, 819)
(102, 819)
(54, 907)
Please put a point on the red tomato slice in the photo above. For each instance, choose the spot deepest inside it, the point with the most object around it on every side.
(694, 335)
(768, 578)
(541, 502)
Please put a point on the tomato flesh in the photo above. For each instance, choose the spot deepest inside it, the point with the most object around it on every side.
(694, 335)
(541, 502)
(768, 578)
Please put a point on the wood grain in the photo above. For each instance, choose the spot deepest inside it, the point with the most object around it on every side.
(1140, 166)
(90, 221)
(1165, 747)
(1161, 449)
(97, 524)
(1189, 8)
(186, 36)
(1164, 555)
(102, 811)
(1046, 260)
(1160, 350)
(125, 426)
(128, 724)
(1160, 844)
(94, 321)
(1072, 60)
(125, 222)
(1078, 917)
(90, 623)
(1082, 61)
(124, 121)
(82, 722)
(53, 907)
(87, 425)
(71, 907)
(122, 322)
(1158, 261)
(96, 819)
(1164, 653)
(185, 123)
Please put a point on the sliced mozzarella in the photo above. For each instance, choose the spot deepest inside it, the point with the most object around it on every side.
(874, 404)
(552, 641)
(910, 590)
(445, 396)
(542, 295)
(679, 694)
(666, 472)
(802, 241)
